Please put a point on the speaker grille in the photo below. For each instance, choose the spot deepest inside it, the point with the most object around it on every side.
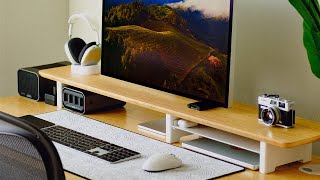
(28, 84)
(19, 159)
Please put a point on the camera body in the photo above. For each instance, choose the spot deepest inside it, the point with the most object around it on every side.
(276, 111)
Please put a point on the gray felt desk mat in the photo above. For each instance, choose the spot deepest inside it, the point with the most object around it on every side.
(195, 166)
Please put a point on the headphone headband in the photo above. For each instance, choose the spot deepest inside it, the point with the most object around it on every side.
(92, 22)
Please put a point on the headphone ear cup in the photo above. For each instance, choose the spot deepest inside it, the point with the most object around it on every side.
(89, 54)
(73, 49)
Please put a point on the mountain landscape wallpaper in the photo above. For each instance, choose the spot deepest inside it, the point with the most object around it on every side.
(179, 46)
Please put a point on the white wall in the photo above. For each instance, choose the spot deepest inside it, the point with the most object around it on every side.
(2, 14)
(33, 33)
(2, 47)
(270, 55)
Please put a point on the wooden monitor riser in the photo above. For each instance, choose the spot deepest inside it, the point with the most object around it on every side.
(277, 146)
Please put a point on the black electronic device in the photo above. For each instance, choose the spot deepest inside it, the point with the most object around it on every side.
(32, 85)
(203, 105)
(50, 99)
(85, 102)
(170, 46)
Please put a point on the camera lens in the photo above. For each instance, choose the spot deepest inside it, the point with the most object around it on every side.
(270, 115)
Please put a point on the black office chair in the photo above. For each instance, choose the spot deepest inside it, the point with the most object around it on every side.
(26, 152)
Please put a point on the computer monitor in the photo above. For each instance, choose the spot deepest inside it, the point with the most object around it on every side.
(179, 46)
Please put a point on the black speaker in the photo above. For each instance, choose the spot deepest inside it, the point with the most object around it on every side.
(86, 102)
(32, 86)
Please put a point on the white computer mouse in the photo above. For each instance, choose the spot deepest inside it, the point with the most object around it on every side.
(161, 162)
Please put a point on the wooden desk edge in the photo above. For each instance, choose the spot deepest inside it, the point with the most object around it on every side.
(49, 74)
(15, 105)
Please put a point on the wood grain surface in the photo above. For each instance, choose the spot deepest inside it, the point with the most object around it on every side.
(129, 117)
(241, 119)
(20, 106)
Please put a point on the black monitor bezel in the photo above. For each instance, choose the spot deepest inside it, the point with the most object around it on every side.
(225, 104)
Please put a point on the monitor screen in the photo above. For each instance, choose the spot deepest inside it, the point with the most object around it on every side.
(179, 46)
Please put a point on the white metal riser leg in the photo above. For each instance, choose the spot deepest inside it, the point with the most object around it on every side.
(59, 95)
(173, 135)
(272, 156)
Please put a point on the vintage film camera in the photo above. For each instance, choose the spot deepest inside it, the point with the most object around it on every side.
(276, 111)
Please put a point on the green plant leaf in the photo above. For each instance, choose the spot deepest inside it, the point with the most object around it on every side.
(311, 41)
(309, 10)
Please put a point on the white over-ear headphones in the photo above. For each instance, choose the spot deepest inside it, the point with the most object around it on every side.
(78, 52)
